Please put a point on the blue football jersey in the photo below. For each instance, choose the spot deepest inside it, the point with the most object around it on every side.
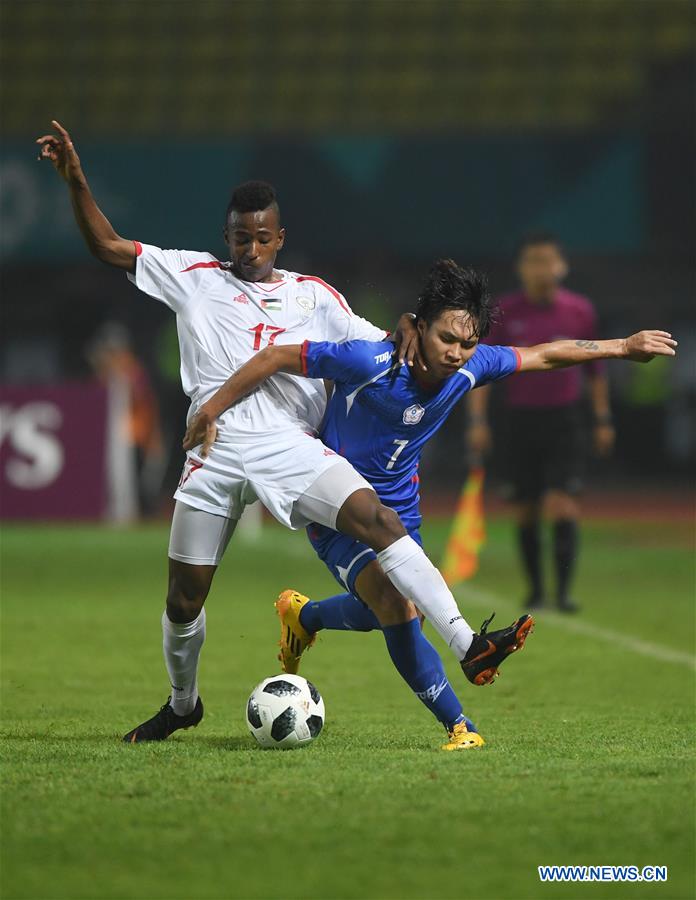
(380, 418)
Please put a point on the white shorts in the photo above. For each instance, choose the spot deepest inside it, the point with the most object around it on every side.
(285, 475)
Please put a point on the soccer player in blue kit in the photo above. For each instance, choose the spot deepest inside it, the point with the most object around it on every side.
(380, 416)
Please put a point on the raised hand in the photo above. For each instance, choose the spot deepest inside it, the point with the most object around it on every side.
(646, 345)
(61, 151)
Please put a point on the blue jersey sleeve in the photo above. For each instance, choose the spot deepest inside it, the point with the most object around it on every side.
(351, 362)
(492, 363)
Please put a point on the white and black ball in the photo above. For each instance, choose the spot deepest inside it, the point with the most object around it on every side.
(285, 711)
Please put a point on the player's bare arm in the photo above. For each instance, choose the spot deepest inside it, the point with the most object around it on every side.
(100, 237)
(202, 428)
(640, 347)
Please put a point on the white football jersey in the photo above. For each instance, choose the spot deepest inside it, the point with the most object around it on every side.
(222, 321)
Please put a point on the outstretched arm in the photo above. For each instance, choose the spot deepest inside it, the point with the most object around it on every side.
(96, 229)
(640, 347)
(202, 428)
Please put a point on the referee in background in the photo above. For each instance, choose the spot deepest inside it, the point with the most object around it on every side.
(543, 431)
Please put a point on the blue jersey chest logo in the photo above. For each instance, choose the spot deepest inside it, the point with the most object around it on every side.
(413, 414)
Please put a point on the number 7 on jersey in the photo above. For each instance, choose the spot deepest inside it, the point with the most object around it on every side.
(395, 455)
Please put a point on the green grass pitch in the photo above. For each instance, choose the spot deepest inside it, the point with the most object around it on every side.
(589, 755)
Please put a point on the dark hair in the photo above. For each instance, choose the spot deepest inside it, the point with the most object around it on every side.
(450, 286)
(535, 238)
(251, 197)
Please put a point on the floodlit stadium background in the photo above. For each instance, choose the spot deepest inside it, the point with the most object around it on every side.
(395, 133)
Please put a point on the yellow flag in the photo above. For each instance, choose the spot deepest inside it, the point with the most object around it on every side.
(468, 531)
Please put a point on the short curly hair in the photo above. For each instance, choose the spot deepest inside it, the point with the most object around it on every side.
(252, 196)
(451, 286)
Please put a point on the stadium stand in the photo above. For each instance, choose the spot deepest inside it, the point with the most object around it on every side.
(309, 67)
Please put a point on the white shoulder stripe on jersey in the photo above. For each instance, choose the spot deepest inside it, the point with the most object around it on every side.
(350, 399)
(468, 374)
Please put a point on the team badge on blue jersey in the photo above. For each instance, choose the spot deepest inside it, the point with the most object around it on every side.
(413, 414)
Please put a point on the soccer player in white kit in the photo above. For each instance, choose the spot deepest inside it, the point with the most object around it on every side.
(266, 446)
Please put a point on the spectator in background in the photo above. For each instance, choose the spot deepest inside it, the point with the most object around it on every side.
(543, 431)
(111, 356)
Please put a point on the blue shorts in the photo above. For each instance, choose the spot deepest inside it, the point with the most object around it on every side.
(345, 557)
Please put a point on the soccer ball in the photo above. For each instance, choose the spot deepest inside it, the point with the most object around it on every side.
(285, 711)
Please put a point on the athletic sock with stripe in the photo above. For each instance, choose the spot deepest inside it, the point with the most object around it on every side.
(419, 664)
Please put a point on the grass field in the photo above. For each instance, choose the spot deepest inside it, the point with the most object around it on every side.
(589, 757)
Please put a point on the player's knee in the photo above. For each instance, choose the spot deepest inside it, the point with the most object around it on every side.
(388, 525)
(185, 597)
(560, 505)
(183, 606)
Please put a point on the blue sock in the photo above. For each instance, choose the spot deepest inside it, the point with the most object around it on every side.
(344, 612)
(419, 664)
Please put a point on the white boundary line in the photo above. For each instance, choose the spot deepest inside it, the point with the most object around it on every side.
(467, 594)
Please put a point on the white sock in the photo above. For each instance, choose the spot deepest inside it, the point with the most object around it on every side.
(412, 573)
(182, 647)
